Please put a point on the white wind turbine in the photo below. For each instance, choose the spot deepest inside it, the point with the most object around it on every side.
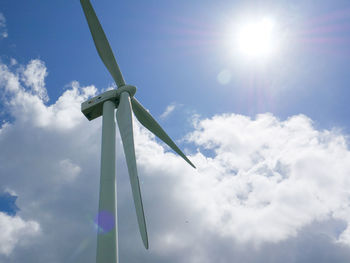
(105, 104)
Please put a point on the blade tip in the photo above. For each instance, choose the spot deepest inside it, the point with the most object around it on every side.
(193, 165)
(190, 163)
(145, 243)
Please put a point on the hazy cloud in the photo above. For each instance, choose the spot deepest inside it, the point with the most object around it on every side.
(69, 170)
(3, 29)
(168, 110)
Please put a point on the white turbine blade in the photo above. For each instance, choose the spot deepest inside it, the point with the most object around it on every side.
(101, 43)
(151, 124)
(124, 119)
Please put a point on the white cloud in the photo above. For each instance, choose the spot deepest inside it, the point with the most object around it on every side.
(269, 178)
(8, 80)
(13, 230)
(168, 110)
(41, 158)
(34, 77)
(262, 181)
(3, 29)
(27, 103)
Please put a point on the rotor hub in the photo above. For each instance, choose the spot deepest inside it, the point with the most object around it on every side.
(126, 88)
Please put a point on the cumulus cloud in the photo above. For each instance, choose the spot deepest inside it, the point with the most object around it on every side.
(40, 161)
(34, 77)
(14, 230)
(269, 178)
(26, 101)
(260, 182)
(3, 29)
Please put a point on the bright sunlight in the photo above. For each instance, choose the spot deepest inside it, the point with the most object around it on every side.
(256, 39)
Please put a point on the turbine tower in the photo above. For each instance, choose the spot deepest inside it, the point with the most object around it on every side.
(104, 105)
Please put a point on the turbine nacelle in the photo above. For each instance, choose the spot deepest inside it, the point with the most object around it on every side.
(92, 108)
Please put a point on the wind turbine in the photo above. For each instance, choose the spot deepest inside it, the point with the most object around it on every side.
(105, 104)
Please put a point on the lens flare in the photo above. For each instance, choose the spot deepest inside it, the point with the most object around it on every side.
(105, 221)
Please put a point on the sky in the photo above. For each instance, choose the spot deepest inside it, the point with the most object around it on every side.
(268, 130)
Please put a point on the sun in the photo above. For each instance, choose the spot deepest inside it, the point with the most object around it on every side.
(256, 39)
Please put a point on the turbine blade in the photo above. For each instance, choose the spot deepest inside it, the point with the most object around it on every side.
(151, 124)
(101, 43)
(124, 119)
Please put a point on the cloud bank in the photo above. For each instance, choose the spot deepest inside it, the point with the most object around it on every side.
(269, 178)
(263, 185)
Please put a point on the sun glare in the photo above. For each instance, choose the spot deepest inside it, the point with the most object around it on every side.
(256, 39)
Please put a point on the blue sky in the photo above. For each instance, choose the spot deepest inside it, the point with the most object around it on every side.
(165, 48)
(277, 124)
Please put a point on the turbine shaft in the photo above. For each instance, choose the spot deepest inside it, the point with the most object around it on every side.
(101, 43)
(124, 119)
(107, 238)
